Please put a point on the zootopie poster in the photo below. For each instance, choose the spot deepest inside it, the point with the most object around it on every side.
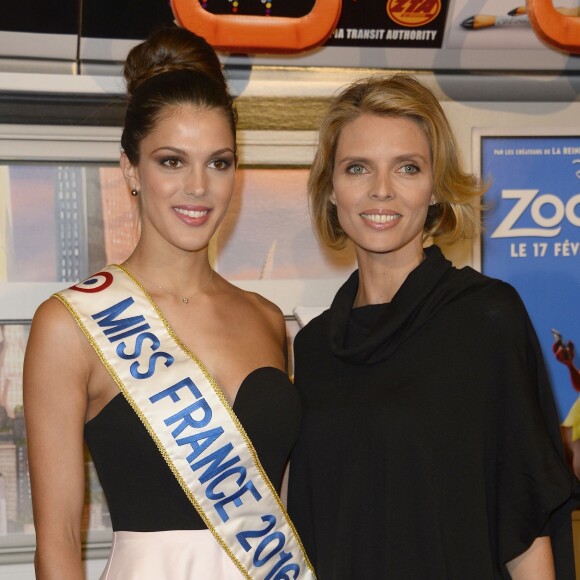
(532, 237)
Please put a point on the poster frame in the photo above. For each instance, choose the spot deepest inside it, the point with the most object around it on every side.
(546, 133)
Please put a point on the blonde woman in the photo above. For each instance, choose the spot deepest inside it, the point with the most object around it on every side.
(430, 444)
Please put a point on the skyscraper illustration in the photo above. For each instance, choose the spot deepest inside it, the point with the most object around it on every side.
(71, 224)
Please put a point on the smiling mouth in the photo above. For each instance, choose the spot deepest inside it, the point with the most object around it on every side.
(192, 213)
(380, 218)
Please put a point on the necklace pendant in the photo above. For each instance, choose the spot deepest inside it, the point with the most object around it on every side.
(185, 300)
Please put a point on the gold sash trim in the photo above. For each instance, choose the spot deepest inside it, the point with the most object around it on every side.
(191, 422)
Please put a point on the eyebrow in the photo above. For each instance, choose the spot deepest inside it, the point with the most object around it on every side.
(348, 160)
(405, 156)
(397, 159)
(183, 152)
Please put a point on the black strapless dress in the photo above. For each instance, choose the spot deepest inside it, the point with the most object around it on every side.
(158, 534)
(142, 493)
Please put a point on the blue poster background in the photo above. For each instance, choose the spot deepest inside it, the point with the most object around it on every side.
(532, 236)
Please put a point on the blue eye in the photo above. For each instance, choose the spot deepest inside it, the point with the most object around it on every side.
(410, 168)
(356, 169)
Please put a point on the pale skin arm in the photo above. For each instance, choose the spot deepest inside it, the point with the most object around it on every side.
(536, 563)
(55, 400)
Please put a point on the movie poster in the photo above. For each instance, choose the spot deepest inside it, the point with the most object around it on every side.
(532, 238)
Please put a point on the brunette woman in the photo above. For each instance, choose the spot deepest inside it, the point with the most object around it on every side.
(175, 377)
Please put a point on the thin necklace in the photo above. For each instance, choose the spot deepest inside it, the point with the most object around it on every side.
(184, 299)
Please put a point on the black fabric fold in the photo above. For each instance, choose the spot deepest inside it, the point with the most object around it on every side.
(430, 443)
(427, 289)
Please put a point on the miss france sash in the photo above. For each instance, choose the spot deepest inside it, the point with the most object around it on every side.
(191, 422)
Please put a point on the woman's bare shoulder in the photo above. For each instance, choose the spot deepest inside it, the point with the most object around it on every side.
(55, 373)
(54, 328)
(259, 303)
(52, 307)
(52, 316)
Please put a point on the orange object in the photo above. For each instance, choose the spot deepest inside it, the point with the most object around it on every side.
(259, 33)
(556, 29)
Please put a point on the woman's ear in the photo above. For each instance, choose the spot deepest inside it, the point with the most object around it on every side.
(332, 198)
(130, 172)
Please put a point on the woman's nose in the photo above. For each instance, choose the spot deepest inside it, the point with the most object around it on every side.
(382, 187)
(196, 185)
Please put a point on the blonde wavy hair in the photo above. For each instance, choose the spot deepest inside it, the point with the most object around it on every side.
(456, 212)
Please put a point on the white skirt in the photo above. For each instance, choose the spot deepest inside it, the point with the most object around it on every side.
(172, 555)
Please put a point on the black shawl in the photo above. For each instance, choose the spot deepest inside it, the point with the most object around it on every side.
(430, 444)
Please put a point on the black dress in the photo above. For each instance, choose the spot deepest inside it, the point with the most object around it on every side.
(430, 445)
(142, 492)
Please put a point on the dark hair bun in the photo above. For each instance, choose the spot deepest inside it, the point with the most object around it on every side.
(170, 50)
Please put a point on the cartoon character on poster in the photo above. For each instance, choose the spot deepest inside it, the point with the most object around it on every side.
(532, 240)
(564, 351)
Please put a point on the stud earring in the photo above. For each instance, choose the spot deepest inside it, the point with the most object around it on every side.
(134, 193)
(333, 201)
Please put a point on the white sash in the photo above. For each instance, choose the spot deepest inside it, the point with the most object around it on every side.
(192, 424)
